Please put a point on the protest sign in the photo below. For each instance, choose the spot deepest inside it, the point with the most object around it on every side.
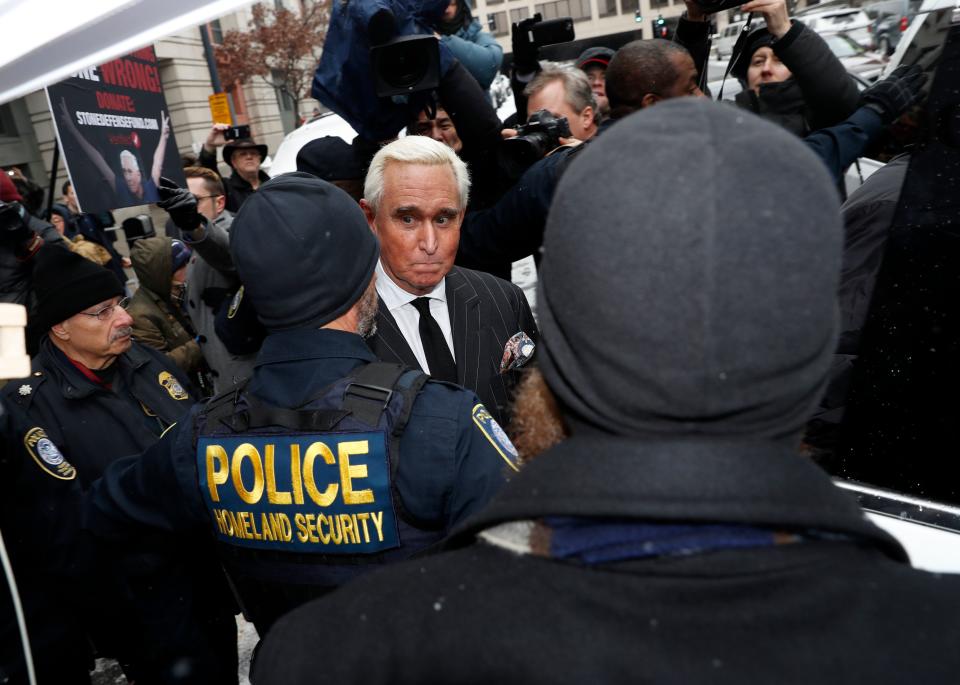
(114, 132)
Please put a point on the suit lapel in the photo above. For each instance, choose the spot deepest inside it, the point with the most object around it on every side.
(389, 344)
(463, 303)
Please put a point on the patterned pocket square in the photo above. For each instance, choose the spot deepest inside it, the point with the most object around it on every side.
(517, 352)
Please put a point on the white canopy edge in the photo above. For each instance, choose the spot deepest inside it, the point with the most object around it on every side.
(46, 41)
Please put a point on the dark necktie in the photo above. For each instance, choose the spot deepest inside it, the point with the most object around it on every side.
(439, 359)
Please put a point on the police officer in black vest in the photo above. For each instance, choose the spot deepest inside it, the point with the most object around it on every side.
(326, 463)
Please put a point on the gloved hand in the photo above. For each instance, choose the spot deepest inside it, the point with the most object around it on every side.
(526, 54)
(180, 204)
(895, 94)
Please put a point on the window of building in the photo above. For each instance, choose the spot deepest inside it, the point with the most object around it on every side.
(7, 126)
(498, 24)
(606, 8)
(494, 2)
(579, 10)
(519, 14)
(659, 3)
(628, 6)
(216, 31)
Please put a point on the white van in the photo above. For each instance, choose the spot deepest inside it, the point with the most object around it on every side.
(726, 39)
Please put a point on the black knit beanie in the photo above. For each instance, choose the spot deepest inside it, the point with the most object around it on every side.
(303, 250)
(712, 313)
(65, 284)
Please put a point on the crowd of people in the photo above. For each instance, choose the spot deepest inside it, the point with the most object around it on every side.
(326, 406)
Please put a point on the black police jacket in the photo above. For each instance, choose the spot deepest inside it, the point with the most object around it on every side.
(144, 584)
(94, 426)
(39, 517)
(841, 606)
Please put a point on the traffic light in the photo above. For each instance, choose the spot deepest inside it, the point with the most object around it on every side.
(661, 26)
(637, 17)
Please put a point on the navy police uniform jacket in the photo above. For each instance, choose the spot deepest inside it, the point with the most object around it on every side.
(39, 506)
(142, 602)
(316, 506)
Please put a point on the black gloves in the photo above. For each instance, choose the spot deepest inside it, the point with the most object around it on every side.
(180, 204)
(14, 224)
(895, 94)
(15, 231)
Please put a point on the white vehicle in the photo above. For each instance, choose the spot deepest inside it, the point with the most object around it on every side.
(851, 21)
(326, 124)
(726, 39)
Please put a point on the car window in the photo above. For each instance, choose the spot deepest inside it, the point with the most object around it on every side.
(899, 367)
(841, 46)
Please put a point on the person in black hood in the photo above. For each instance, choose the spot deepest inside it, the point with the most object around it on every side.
(675, 535)
(788, 73)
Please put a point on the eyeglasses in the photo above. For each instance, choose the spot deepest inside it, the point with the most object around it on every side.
(106, 312)
(204, 197)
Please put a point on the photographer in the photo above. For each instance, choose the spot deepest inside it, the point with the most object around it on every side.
(244, 156)
(789, 74)
(21, 235)
(564, 92)
(475, 48)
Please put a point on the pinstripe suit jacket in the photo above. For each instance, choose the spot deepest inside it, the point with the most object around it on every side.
(485, 312)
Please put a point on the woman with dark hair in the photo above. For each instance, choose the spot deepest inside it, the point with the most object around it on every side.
(476, 49)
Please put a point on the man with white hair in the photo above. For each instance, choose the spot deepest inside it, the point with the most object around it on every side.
(461, 326)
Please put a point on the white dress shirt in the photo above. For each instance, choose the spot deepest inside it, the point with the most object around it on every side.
(398, 303)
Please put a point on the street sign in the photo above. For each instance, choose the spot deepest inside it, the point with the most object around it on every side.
(220, 109)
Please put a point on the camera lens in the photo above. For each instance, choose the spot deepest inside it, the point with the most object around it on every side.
(406, 67)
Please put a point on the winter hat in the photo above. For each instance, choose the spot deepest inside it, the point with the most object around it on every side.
(8, 190)
(758, 38)
(595, 56)
(332, 159)
(714, 316)
(303, 251)
(65, 284)
(179, 254)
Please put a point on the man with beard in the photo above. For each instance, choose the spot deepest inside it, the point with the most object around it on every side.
(95, 396)
(674, 534)
(327, 464)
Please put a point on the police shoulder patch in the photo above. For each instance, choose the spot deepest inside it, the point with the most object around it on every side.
(47, 455)
(496, 435)
(172, 386)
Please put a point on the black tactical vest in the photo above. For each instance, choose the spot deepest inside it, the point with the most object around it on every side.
(302, 500)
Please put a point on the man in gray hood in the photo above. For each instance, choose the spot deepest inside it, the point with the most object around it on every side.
(673, 534)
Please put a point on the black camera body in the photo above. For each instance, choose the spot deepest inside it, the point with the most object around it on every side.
(237, 132)
(714, 6)
(540, 135)
(539, 33)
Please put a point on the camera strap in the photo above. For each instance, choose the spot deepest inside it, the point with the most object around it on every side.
(736, 53)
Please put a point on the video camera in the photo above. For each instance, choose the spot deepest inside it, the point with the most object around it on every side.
(540, 135)
(401, 64)
(14, 220)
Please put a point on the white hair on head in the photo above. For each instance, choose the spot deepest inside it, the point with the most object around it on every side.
(126, 154)
(414, 150)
